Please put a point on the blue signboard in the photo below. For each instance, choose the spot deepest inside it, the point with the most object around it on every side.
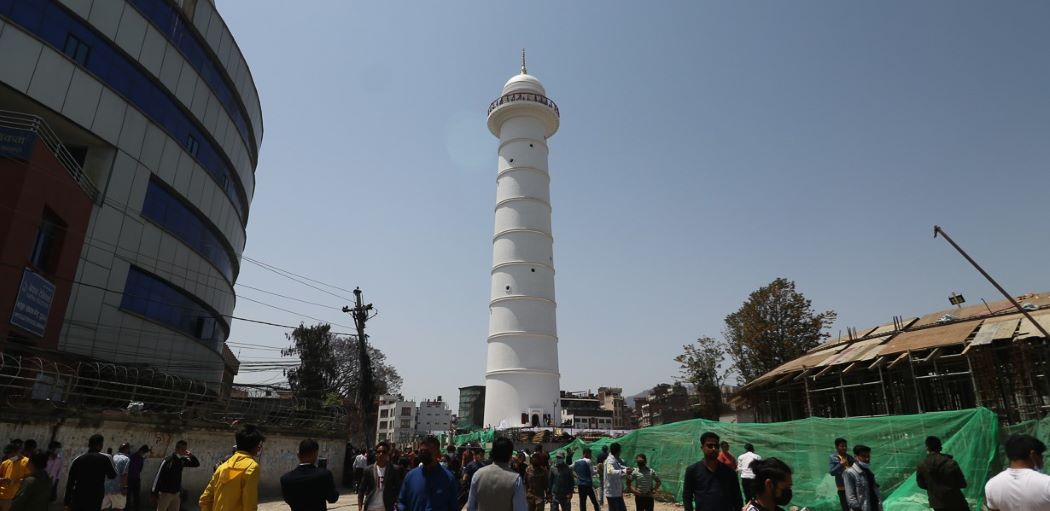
(33, 303)
(16, 143)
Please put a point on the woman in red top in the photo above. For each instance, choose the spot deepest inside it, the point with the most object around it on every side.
(725, 458)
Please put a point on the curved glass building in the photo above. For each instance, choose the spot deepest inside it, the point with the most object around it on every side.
(129, 138)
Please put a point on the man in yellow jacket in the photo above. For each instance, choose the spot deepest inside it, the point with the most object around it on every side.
(235, 484)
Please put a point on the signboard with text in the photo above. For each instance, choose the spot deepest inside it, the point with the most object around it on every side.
(16, 143)
(33, 304)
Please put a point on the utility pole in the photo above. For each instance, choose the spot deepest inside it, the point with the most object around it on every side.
(937, 230)
(366, 380)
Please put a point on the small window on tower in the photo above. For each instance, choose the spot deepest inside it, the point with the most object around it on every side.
(192, 145)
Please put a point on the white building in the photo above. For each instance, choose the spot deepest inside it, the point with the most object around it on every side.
(522, 378)
(433, 417)
(396, 420)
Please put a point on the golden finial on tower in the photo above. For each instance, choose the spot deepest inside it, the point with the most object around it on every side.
(524, 71)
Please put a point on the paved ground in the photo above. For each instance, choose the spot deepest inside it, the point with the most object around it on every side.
(348, 502)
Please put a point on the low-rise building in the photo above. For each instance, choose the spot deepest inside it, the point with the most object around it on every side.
(611, 399)
(665, 404)
(433, 417)
(583, 410)
(397, 419)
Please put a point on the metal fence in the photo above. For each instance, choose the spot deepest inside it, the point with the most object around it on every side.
(35, 385)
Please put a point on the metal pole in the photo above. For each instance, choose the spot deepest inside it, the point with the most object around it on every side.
(809, 404)
(365, 389)
(937, 230)
(973, 380)
(915, 383)
(885, 398)
(842, 392)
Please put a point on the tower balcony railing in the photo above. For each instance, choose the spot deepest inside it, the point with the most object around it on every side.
(515, 97)
(32, 123)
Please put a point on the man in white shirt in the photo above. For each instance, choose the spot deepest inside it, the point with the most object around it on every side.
(615, 470)
(743, 467)
(380, 483)
(1020, 487)
(360, 464)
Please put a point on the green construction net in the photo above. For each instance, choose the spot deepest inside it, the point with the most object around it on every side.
(897, 442)
(481, 437)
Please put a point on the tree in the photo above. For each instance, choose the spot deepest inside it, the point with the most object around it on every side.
(701, 365)
(316, 375)
(702, 362)
(386, 379)
(328, 368)
(775, 325)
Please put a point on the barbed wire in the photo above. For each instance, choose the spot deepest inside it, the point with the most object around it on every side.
(32, 384)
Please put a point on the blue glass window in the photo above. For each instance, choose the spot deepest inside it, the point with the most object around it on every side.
(179, 32)
(150, 296)
(76, 49)
(54, 24)
(172, 214)
(192, 145)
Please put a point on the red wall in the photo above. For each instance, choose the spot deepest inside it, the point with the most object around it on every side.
(26, 188)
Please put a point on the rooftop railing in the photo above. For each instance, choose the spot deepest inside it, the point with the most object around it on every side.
(37, 125)
(514, 97)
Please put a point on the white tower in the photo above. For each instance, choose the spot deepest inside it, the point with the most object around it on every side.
(522, 379)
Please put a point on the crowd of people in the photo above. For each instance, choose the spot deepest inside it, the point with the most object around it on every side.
(428, 478)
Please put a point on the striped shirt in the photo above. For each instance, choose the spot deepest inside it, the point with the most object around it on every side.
(643, 480)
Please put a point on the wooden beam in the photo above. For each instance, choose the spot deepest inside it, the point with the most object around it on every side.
(849, 368)
(806, 371)
(933, 354)
(899, 359)
(821, 373)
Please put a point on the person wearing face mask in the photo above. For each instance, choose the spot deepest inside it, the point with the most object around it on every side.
(708, 484)
(862, 491)
(1021, 486)
(429, 487)
(235, 484)
(643, 483)
(771, 486)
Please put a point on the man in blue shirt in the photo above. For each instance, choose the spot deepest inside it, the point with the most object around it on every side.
(429, 487)
(585, 480)
(838, 462)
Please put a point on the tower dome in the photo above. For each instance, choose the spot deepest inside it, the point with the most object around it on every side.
(523, 94)
(524, 83)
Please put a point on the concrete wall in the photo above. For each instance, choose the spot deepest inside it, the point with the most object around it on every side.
(211, 446)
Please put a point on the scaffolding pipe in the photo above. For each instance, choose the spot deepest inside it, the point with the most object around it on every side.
(845, 408)
(885, 398)
(914, 382)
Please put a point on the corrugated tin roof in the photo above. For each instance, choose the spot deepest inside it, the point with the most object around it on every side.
(805, 361)
(997, 329)
(851, 350)
(991, 322)
(1027, 330)
(944, 335)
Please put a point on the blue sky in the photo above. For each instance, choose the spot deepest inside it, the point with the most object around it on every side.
(705, 149)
